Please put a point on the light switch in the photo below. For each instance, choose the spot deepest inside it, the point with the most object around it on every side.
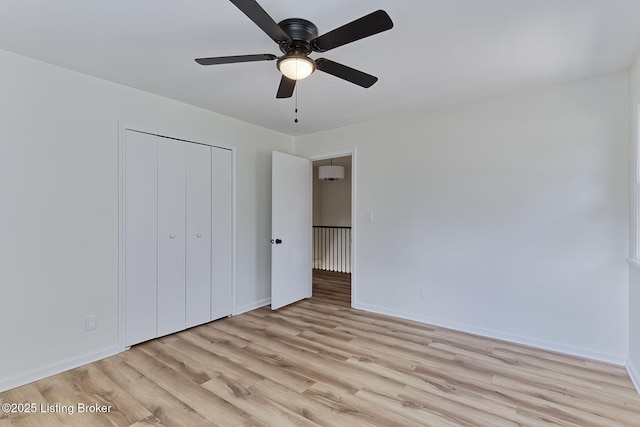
(369, 216)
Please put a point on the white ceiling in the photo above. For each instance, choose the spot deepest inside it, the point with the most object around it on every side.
(439, 52)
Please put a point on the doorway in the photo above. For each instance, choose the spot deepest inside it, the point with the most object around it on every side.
(332, 241)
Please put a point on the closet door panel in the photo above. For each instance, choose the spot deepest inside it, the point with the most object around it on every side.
(222, 231)
(140, 222)
(198, 260)
(171, 235)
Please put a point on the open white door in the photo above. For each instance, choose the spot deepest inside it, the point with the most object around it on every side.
(290, 229)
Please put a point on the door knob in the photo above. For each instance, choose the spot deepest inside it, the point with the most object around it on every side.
(276, 241)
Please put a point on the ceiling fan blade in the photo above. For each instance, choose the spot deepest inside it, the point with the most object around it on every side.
(233, 59)
(346, 73)
(373, 23)
(257, 14)
(285, 90)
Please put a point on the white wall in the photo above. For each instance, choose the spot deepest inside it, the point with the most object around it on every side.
(59, 215)
(512, 212)
(332, 200)
(633, 364)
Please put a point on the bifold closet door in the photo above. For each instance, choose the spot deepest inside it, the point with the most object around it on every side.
(178, 235)
(171, 235)
(140, 242)
(198, 272)
(222, 230)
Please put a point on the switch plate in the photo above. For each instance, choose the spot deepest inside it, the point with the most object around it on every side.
(369, 216)
(423, 293)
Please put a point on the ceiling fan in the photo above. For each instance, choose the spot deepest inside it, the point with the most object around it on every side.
(297, 38)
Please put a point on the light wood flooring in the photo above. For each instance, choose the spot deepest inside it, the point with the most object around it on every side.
(319, 362)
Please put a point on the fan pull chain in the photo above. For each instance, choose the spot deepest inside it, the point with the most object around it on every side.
(296, 119)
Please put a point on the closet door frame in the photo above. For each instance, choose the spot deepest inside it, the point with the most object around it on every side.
(123, 127)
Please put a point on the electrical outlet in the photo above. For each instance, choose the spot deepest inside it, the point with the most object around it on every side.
(90, 323)
(423, 293)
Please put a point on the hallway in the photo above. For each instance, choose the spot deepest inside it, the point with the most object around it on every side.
(332, 287)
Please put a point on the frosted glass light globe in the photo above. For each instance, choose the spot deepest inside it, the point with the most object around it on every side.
(296, 68)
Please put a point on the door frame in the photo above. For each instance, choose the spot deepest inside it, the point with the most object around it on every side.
(330, 155)
(123, 127)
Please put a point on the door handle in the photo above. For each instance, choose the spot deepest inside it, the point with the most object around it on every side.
(276, 241)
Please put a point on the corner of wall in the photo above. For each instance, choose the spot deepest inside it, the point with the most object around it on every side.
(634, 374)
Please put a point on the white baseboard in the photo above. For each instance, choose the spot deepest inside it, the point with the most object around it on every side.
(56, 368)
(252, 306)
(634, 374)
(618, 360)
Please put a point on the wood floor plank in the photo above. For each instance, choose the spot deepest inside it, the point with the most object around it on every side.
(215, 409)
(332, 395)
(316, 410)
(321, 363)
(478, 413)
(61, 392)
(123, 408)
(26, 394)
(258, 366)
(416, 413)
(251, 399)
(166, 409)
(448, 393)
(574, 401)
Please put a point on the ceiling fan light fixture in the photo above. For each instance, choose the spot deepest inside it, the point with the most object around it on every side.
(296, 67)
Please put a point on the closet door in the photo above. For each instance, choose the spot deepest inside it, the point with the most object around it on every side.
(140, 242)
(222, 230)
(198, 267)
(171, 235)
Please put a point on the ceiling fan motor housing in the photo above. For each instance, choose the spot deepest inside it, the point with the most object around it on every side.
(301, 33)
